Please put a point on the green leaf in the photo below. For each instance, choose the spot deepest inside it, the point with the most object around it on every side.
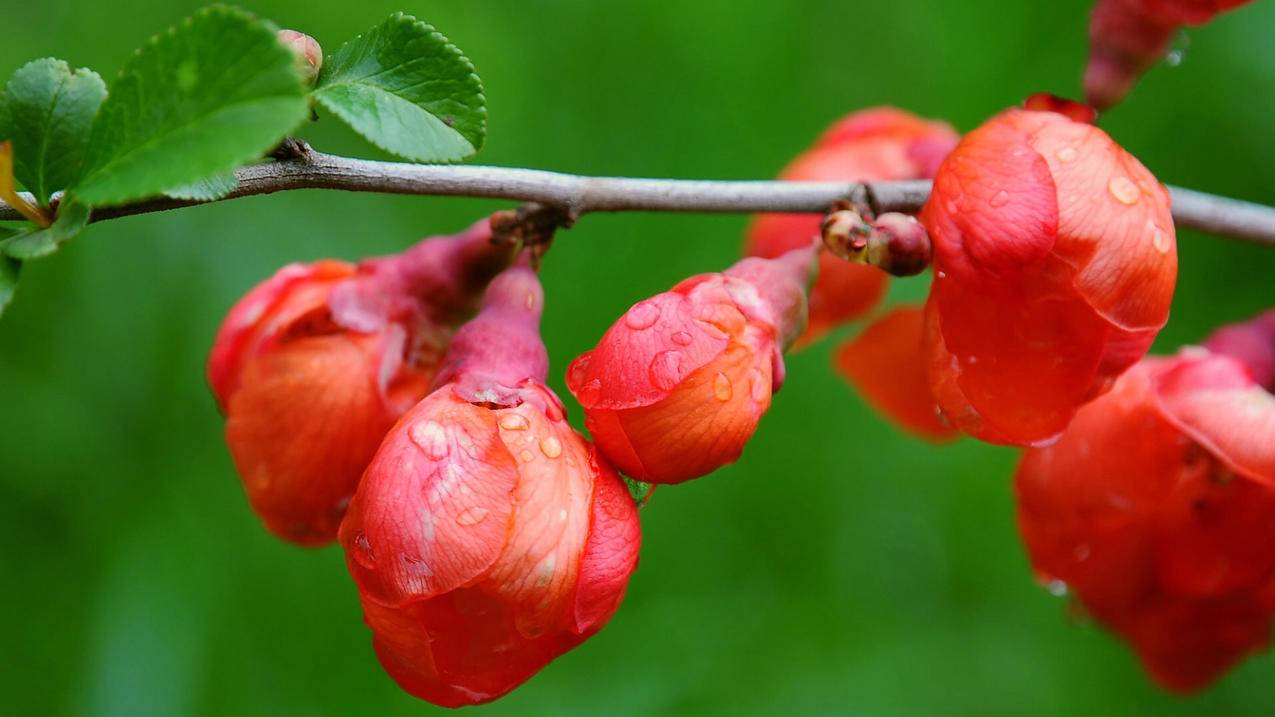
(408, 90)
(203, 98)
(48, 112)
(9, 269)
(73, 216)
(208, 189)
(638, 490)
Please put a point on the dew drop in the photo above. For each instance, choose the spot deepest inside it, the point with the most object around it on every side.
(722, 390)
(530, 301)
(1159, 239)
(562, 515)
(1066, 154)
(578, 369)
(1124, 190)
(513, 422)
(1177, 53)
(666, 369)
(999, 199)
(681, 338)
(551, 447)
(942, 275)
(1057, 588)
(590, 392)
(363, 550)
(758, 386)
(527, 456)
(431, 437)
(642, 315)
(472, 515)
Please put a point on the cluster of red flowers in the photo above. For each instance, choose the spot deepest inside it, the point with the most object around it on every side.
(400, 405)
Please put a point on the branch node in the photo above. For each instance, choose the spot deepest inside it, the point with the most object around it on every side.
(531, 227)
(293, 149)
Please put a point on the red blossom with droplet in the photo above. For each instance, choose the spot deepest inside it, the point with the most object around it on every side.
(677, 385)
(1054, 262)
(886, 363)
(1157, 509)
(314, 365)
(487, 536)
(876, 144)
(1128, 37)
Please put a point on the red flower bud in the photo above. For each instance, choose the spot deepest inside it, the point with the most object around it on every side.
(1157, 509)
(314, 365)
(871, 145)
(487, 537)
(1055, 260)
(676, 387)
(1127, 37)
(886, 363)
(308, 53)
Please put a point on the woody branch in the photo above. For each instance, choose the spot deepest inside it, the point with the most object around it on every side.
(304, 168)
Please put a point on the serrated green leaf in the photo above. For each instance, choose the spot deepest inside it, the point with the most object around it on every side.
(9, 269)
(408, 90)
(73, 216)
(212, 93)
(208, 189)
(48, 110)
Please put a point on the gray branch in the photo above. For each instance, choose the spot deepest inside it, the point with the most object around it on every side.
(580, 195)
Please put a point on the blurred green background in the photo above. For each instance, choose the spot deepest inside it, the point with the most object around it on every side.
(839, 568)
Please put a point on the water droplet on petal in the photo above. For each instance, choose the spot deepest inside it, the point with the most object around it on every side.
(530, 301)
(590, 392)
(999, 199)
(579, 368)
(513, 422)
(758, 385)
(551, 447)
(642, 315)
(527, 456)
(666, 369)
(1066, 154)
(472, 515)
(363, 550)
(431, 437)
(1057, 588)
(1124, 190)
(1159, 239)
(681, 338)
(942, 275)
(722, 390)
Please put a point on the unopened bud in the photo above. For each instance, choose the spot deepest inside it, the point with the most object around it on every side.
(895, 243)
(308, 53)
(899, 245)
(846, 234)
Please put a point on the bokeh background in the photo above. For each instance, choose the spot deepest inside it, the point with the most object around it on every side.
(839, 568)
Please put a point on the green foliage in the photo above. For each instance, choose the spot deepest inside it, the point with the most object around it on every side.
(212, 93)
(218, 186)
(48, 109)
(9, 269)
(639, 490)
(73, 216)
(408, 90)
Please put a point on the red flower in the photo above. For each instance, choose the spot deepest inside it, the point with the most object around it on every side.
(314, 365)
(1127, 37)
(487, 537)
(875, 144)
(1157, 508)
(1054, 260)
(676, 387)
(886, 363)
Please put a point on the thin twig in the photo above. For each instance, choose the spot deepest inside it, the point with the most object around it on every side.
(579, 195)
